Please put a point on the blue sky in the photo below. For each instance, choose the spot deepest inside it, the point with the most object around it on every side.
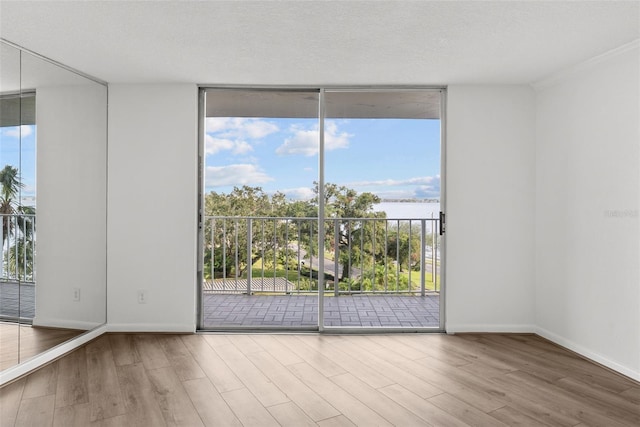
(393, 158)
(18, 149)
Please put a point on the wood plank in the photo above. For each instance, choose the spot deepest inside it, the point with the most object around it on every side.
(513, 417)
(464, 412)
(211, 407)
(523, 361)
(245, 343)
(473, 351)
(211, 364)
(432, 346)
(265, 391)
(307, 399)
(443, 381)
(555, 399)
(290, 415)
(321, 362)
(150, 353)
(36, 411)
(352, 365)
(77, 415)
(400, 348)
(421, 407)
(339, 421)
(278, 351)
(248, 409)
(348, 405)
(632, 395)
(400, 376)
(618, 408)
(377, 401)
(42, 382)
(142, 408)
(105, 395)
(520, 399)
(481, 379)
(73, 380)
(10, 397)
(180, 358)
(124, 349)
(174, 402)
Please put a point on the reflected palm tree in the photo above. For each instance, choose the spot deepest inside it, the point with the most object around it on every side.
(17, 226)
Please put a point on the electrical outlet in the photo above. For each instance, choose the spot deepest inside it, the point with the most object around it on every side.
(76, 294)
(142, 296)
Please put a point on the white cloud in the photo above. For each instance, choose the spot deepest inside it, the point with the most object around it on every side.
(423, 187)
(19, 131)
(300, 193)
(419, 181)
(239, 174)
(214, 145)
(242, 147)
(305, 141)
(256, 129)
(240, 127)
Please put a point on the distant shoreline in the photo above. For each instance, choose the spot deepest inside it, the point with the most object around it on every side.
(409, 201)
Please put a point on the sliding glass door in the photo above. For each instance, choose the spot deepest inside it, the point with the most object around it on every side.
(259, 232)
(320, 209)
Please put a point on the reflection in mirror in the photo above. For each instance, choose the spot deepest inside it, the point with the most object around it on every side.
(57, 257)
(10, 106)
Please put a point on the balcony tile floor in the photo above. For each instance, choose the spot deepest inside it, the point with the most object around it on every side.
(17, 300)
(278, 311)
(288, 311)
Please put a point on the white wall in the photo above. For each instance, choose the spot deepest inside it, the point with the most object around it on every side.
(587, 201)
(490, 175)
(71, 205)
(152, 207)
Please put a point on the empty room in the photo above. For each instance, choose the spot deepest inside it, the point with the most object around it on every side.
(320, 213)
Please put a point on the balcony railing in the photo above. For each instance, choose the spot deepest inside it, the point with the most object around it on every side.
(361, 255)
(18, 233)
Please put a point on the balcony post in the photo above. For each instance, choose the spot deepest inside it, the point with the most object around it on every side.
(2, 249)
(423, 241)
(434, 259)
(249, 244)
(336, 256)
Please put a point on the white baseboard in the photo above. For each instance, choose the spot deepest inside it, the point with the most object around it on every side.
(583, 351)
(48, 356)
(64, 323)
(522, 329)
(188, 328)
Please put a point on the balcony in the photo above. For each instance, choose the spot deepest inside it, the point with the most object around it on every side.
(265, 271)
(17, 267)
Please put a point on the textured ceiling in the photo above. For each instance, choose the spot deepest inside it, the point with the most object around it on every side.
(321, 42)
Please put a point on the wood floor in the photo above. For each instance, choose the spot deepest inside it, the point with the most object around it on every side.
(300, 380)
(20, 342)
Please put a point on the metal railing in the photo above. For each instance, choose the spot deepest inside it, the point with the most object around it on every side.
(18, 233)
(362, 255)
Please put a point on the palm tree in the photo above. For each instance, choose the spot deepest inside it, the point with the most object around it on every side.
(10, 186)
(17, 225)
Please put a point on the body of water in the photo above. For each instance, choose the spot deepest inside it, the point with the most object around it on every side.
(408, 210)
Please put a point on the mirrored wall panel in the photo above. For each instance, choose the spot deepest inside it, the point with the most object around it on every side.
(53, 154)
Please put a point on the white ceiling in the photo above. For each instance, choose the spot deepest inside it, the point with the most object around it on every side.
(321, 42)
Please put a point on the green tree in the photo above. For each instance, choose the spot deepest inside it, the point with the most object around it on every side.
(402, 247)
(356, 238)
(226, 238)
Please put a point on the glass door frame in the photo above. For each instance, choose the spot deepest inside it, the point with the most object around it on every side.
(202, 89)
